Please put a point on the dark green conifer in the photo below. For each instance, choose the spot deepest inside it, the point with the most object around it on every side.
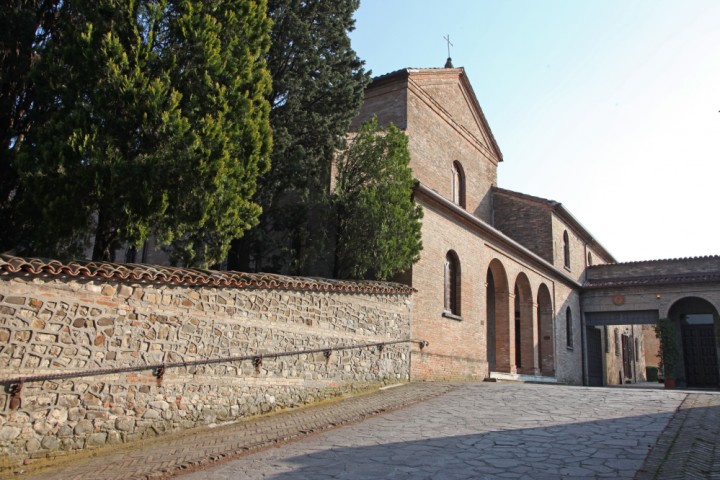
(150, 117)
(318, 85)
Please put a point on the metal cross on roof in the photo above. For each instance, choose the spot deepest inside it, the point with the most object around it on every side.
(449, 44)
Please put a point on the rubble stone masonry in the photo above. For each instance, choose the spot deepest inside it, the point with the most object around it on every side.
(61, 324)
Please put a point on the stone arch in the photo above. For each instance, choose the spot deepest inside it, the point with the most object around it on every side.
(672, 299)
(500, 330)
(525, 332)
(698, 324)
(546, 343)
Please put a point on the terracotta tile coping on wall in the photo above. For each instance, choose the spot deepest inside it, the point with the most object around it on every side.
(135, 272)
(652, 280)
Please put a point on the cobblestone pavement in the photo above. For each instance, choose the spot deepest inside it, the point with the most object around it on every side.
(480, 431)
(459, 431)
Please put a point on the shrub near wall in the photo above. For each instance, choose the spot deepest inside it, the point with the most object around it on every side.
(67, 318)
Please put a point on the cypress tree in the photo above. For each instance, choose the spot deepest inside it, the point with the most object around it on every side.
(318, 85)
(150, 118)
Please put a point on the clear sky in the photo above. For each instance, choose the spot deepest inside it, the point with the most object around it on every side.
(610, 107)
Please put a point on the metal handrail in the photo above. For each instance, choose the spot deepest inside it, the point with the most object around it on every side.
(15, 385)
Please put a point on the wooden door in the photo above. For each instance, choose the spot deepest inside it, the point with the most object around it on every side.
(700, 355)
(594, 353)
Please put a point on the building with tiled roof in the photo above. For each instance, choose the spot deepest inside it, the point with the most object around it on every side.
(510, 285)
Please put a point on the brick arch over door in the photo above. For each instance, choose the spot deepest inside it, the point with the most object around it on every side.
(546, 343)
(500, 329)
(525, 333)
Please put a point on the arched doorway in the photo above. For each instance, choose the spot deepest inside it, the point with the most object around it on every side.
(500, 331)
(525, 333)
(546, 343)
(697, 321)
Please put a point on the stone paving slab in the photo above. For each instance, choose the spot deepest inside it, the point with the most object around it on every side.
(163, 456)
(480, 431)
(458, 431)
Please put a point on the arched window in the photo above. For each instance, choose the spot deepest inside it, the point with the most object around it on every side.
(566, 248)
(589, 258)
(569, 327)
(458, 184)
(452, 283)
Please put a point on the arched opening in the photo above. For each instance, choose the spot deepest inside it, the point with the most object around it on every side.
(452, 283)
(546, 343)
(697, 321)
(525, 333)
(566, 249)
(500, 328)
(569, 335)
(458, 184)
(490, 320)
(590, 259)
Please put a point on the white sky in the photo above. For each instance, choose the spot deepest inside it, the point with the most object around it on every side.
(611, 107)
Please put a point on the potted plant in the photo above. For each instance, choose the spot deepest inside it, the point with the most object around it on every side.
(669, 353)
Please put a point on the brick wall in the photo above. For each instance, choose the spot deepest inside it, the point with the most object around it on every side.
(615, 372)
(441, 130)
(459, 347)
(528, 223)
(62, 324)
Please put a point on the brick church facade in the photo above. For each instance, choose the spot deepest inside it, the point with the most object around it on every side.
(500, 276)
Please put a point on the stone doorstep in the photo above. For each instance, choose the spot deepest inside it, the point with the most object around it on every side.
(521, 378)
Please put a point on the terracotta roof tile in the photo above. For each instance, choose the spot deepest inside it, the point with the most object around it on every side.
(663, 260)
(653, 280)
(188, 276)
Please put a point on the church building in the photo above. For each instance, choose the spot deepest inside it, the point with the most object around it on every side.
(500, 279)
(513, 286)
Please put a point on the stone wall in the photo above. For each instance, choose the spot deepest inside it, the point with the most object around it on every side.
(52, 324)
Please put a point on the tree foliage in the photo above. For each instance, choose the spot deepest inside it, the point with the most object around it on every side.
(378, 223)
(25, 25)
(318, 85)
(150, 117)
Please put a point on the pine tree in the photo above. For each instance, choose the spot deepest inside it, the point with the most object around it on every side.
(150, 118)
(378, 223)
(318, 85)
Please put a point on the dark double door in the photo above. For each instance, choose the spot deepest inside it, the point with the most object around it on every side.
(700, 356)
(594, 355)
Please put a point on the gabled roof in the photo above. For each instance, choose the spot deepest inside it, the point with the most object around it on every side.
(407, 73)
(558, 209)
